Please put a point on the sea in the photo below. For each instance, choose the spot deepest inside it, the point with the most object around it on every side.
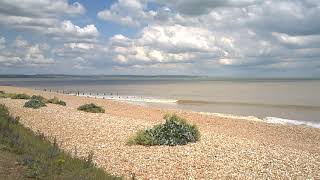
(286, 101)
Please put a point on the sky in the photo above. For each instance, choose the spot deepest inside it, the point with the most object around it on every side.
(222, 38)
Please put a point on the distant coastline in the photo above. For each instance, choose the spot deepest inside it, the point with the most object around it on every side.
(213, 78)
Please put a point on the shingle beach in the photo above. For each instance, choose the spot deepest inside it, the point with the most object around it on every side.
(228, 148)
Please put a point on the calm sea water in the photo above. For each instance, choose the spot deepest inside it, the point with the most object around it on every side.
(289, 99)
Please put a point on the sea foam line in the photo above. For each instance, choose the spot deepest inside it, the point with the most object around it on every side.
(276, 120)
(130, 98)
(250, 118)
(271, 120)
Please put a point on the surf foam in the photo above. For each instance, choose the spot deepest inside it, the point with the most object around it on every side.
(276, 120)
(130, 98)
(273, 120)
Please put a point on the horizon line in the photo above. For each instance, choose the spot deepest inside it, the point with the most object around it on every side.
(160, 75)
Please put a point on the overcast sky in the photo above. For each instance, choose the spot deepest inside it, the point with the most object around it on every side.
(252, 38)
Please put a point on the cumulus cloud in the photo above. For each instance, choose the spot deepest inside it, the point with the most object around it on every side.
(168, 44)
(309, 41)
(34, 55)
(67, 31)
(2, 42)
(173, 38)
(44, 8)
(227, 32)
(127, 12)
(85, 46)
(20, 42)
(44, 17)
(184, 44)
(201, 36)
(191, 7)
(292, 17)
(21, 52)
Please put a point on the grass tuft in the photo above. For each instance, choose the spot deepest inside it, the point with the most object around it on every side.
(175, 131)
(19, 96)
(91, 108)
(4, 95)
(55, 100)
(34, 103)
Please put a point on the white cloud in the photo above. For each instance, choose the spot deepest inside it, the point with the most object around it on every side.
(34, 55)
(43, 8)
(20, 42)
(88, 30)
(124, 20)
(121, 59)
(224, 61)
(309, 41)
(2, 42)
(192, 7)
(45, 18)
(9, 60)
(173, 38)
(168, 44)
(24, 53)
(85, 46)
(127, 12)
(66, 29)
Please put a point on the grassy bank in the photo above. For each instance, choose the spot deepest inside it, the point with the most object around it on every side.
(25, 154)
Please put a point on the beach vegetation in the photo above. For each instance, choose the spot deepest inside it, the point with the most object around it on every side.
(55, 100)
(91, 108)
(7, 95)
(34, 103)
(39, 98)
(31, 155)
(19, 96)
(175, 131)
(4, 95)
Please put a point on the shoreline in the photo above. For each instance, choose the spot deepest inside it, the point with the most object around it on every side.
(148, 100)
(137, 101)
(229, 147)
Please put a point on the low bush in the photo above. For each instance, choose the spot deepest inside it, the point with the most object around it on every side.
(20, 96)
(38, 158)
(39, 98)
(175, 131)
(4, 95)
(34, 103)
(55, 100)
(91, 108)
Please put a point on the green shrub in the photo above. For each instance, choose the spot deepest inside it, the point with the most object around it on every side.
(39, 98)
(2, 92)
(34, 103)
(55, 100)
(20, 96)
(91, 108)
(175, 131)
